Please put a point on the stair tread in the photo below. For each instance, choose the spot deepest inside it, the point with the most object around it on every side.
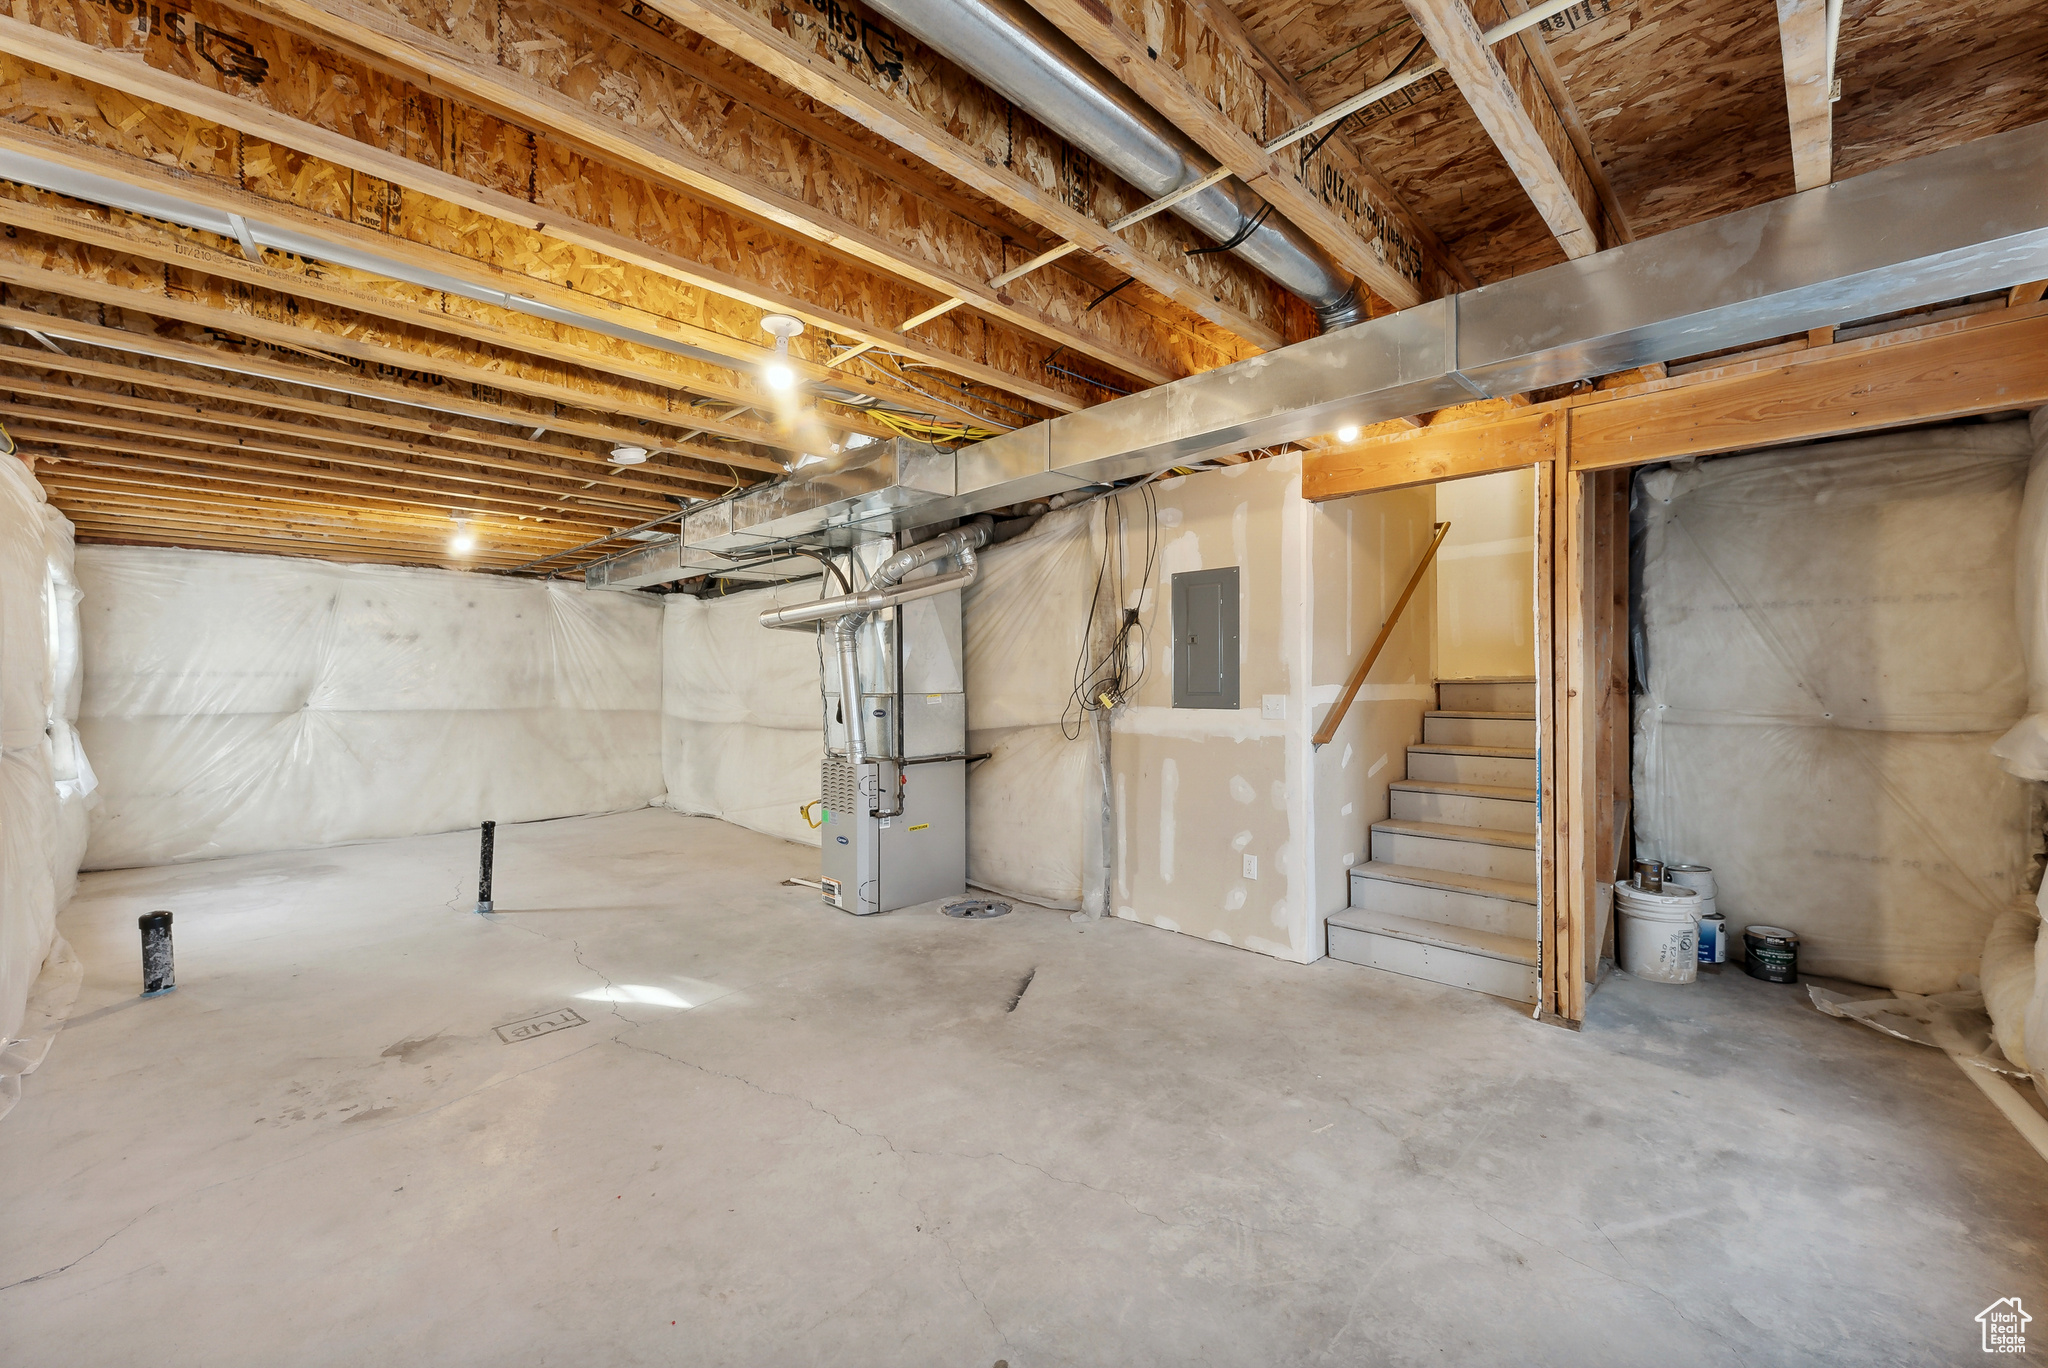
(1490, 752)
(1510, 792)
(1508, 890)
(1482, 716)
(1515, 949)
(1491, 679)
(1402, 826)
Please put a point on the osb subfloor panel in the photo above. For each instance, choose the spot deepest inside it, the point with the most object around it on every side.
(797, 1137)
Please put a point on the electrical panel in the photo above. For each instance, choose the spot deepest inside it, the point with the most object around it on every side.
(1205, 638)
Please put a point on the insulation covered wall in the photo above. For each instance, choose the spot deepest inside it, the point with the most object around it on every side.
(1830, 650)
(1196, 790)
(1033, 806)
(1485, 577)
(240, 703)
(741, 717)
(42, 796)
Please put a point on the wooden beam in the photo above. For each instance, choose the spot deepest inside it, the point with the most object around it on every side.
(1566, 201)
(404, 155)
(2029, 293)
(1429, 455)
(605, 477)
(646, 115)
(735, 379)
(447, 465)
(436, 397)
(146, 480)
(1803, 41)
(1984, 363)
(1531, 46)
(90, 512)
(147, 372)
(303, 320)
(95, 449)
(949, 120)
(1955, 375)
(1200, 76)
(136, 532)
(84, 488)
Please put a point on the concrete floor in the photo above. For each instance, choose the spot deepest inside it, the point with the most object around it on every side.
(788, 1136)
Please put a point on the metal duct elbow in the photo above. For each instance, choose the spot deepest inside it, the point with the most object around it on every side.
(1011, 48)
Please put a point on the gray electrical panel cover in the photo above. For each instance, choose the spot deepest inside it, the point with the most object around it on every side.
(1205, 638)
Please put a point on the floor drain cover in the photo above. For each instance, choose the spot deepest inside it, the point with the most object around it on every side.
(978, 908)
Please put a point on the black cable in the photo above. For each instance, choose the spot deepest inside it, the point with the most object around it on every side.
(1331, 132)
(1108, 682)
(1251, 225)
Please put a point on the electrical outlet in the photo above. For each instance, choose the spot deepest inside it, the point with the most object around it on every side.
(1273, 707)
(1251, 866)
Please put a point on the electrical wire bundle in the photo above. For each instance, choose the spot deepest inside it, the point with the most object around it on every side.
(1103, 683)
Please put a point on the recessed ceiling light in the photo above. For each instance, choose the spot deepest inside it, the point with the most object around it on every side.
(1348, 433)
(628, 455)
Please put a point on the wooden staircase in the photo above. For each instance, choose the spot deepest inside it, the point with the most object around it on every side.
(1449, 894)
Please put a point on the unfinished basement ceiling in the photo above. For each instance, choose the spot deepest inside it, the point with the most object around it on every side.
(684, 170)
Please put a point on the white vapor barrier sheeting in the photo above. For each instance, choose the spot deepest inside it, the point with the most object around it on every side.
(1024, 619)
(742, 720)
(40, 817)
(1829, 633)
(240, 703)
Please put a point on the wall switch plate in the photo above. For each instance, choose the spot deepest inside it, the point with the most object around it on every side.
(1251, 866)
(1273, 707)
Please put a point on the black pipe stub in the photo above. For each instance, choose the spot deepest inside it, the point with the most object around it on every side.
(158, 975)
(976, 909)
(483, 877)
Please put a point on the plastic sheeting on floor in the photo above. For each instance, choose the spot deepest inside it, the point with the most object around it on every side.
(1830, 654)
(742, 722)
(238, 703)
(42, 794)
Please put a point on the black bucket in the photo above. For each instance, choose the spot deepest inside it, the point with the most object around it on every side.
(1770, 953)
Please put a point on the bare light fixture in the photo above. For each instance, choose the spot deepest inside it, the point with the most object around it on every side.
(779, 374)
(464, 540)
(628, 455)
(1348, 433)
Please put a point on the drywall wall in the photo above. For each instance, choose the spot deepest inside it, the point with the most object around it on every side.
(237, 703)
(1195, 791)
(1831, 655)
(741, 720)
(1485, 577)
(44, 782)
(1365, 549)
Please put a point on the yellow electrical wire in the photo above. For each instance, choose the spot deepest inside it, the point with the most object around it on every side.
(906, 426)
(805, 813)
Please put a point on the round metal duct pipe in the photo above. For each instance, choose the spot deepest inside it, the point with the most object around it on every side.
(1011, 48)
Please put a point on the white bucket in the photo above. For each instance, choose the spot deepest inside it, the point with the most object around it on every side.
(1699, 878)
(1659, 933)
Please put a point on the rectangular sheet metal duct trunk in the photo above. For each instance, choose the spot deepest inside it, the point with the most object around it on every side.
(1964, 220)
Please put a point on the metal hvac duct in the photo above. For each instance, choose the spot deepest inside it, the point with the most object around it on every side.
(1969, 218)
(1012, 49)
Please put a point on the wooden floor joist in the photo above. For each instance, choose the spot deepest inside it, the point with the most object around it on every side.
(681, 140)
(419, 396)
(37, 261)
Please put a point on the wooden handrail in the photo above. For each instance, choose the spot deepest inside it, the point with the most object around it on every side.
(1357, 682)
